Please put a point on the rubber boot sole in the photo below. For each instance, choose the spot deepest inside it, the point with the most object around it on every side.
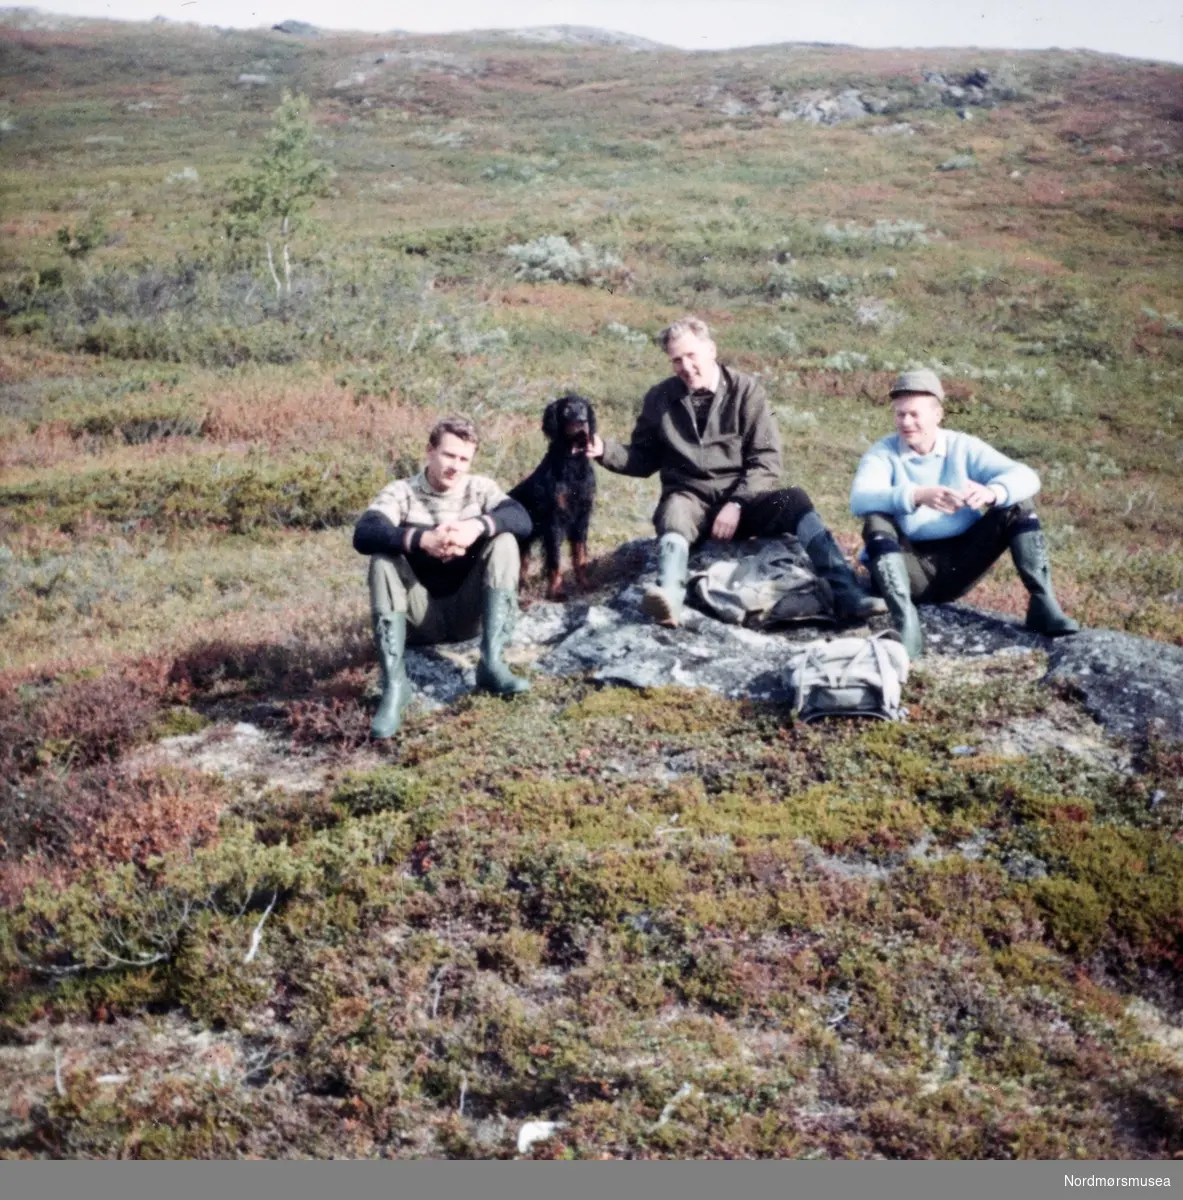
(507, 684)
(1048, 620)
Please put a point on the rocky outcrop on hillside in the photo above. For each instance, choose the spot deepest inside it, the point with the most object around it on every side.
(977, 89)
(1130, 685)
(297, 29)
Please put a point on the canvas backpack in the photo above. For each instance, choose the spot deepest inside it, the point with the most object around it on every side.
(849, 677)
(760, 586)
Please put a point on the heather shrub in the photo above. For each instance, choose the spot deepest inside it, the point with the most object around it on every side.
(307, 655)
(307, 492)
(79, 722)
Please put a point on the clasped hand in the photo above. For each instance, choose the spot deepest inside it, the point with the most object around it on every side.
(451, 539)
(948, 500)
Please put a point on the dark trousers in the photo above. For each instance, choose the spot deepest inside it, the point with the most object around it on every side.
(944, 569)
(770, 514)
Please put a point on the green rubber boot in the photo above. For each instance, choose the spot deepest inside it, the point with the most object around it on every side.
(390, 636)
(890, 573)
(664, 600)
(1044, 614)
(851, 603)
(498, 619)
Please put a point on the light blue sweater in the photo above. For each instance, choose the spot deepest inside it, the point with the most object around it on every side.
(889, 474)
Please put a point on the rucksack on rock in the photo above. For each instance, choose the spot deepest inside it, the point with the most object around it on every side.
(759, 586)
(849, 677)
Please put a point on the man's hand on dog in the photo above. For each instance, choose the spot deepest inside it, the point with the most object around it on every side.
(595, 446)
(726, 522)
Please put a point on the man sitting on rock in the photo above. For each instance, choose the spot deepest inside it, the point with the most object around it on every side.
(710, 433)
(939, 508)
(444, 558)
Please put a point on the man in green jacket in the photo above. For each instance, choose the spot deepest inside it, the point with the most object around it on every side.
(710, 433)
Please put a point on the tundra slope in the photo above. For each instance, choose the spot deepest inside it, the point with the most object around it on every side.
(669, 921)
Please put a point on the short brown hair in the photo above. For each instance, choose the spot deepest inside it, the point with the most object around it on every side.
(459, 427)
(682, 326)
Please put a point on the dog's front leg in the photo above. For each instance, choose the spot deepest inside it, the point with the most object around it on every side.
(552, 544)
(579, 562)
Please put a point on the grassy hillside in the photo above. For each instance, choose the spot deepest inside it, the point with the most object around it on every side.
(677, 925)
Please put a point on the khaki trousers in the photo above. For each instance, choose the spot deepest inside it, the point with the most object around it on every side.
(455, 618)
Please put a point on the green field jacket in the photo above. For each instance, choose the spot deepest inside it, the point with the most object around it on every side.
(736, 457)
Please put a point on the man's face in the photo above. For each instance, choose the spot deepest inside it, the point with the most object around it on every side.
(695, 361)
(449, 462)
(917, 417)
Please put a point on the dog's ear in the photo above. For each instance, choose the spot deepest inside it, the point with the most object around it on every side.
(550, 420)
(591, 420)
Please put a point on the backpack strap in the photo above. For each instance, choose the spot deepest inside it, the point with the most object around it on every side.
(889, 680)
(853, 662)
(807, 659)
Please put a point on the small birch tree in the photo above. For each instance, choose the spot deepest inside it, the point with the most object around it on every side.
(270, 203)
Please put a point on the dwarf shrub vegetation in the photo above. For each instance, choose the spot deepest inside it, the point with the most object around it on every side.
(676, 924)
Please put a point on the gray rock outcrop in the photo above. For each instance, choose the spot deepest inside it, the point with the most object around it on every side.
(826, 108)
(977, 89)
(297, 29)
(1131, 685)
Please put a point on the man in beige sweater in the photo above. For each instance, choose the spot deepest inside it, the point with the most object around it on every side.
(710, 433)
(444, 563)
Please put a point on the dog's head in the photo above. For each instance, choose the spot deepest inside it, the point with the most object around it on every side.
(571, 422)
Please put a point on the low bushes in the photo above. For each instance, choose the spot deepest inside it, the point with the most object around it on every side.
(307, 492)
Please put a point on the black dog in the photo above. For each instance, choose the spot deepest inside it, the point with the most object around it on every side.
(561, 492)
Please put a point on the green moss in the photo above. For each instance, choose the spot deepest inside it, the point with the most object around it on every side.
(1076, 916)
(1130, 882)
(1029, 964)
(179, 721)
(387, 789)
(669, 710)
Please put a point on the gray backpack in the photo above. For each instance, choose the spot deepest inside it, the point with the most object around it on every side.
(849, 677)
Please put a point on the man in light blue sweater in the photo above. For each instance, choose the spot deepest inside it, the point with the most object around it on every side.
(939, 508)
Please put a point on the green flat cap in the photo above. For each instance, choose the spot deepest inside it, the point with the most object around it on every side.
(923, 380)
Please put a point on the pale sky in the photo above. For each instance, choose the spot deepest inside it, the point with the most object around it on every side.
(1138, 28)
